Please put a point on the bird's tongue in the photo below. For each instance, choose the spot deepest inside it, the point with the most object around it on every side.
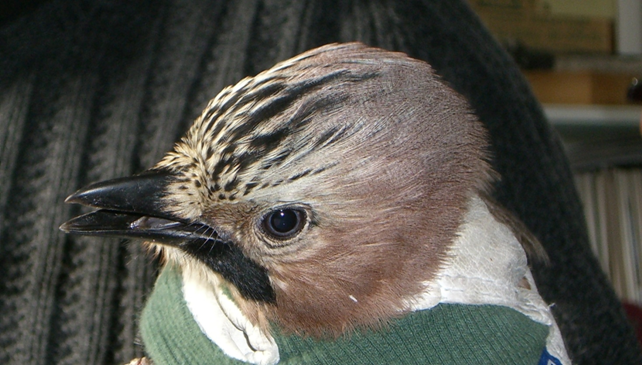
(153, 223)
(135, 226)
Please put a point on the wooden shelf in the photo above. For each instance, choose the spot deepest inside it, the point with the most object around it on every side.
(580, 87)
(593, 115)
(598, 136)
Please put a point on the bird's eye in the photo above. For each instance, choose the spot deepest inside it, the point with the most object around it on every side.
(284, 223)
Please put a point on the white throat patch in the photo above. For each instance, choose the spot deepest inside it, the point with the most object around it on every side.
(488, 266)
(222, 321)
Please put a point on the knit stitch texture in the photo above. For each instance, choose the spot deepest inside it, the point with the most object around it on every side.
(446, 334)
(99, 89)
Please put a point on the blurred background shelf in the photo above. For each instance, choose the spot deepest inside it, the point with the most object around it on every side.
(627, 116)
(598, 136)
(582, 59)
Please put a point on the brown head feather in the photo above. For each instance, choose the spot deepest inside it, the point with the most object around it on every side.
(378, 151)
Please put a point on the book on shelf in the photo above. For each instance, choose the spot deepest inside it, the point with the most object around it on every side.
(611, 200)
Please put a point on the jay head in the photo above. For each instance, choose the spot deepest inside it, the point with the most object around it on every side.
(324, 193)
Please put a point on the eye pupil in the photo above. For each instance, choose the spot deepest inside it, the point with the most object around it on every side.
(284, 223)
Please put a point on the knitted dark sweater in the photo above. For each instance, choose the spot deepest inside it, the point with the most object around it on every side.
(91, 90)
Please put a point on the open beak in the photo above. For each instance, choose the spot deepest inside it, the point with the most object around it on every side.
(133, 207)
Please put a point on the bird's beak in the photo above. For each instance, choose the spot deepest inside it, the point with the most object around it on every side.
(133, 207)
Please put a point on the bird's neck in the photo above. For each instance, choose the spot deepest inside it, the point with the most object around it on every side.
(486, 265)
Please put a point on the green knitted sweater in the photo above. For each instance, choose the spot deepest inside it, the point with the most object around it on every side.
(445, 334)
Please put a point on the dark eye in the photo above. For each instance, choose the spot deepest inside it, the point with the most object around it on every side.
(284, 223)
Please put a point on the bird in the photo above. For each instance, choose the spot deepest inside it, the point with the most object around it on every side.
(327, 198)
